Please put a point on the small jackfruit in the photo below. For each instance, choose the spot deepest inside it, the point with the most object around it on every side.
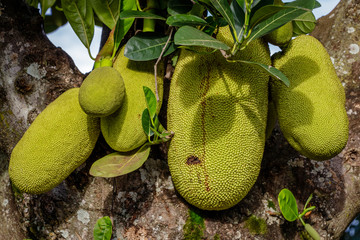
(311, 112)
(283, 34)
(59, 140)
(123, 130)
(217, 110)
(280, 36)
(102, 92)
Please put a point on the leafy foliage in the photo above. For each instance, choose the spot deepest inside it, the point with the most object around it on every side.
(289, 210)
(81, 18)
(288, 206)
(247, 19)
(103, 229)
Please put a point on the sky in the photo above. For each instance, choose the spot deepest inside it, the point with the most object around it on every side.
(65, 38)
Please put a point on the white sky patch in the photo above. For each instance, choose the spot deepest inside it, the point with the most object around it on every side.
(66, 38)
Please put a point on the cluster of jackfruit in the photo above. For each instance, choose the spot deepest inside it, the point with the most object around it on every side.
(221, 116)
(219, 110)
(63, 136)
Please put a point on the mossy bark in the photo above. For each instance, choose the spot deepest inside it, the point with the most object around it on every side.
(144, 204)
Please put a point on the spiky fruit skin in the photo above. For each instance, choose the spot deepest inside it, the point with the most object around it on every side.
(59, 140)
(280, 36)
(311, 112)
(123, 130)
(102, 92)
(218, 112)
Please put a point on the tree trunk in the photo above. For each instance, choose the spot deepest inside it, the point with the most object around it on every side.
(144, 204)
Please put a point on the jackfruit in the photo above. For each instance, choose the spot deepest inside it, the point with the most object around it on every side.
(311, 112)
(102, 92)
(283, 34)
(280, 36)
(123, 130)
(59, 140)
(217, 110)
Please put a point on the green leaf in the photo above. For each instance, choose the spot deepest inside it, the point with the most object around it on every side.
(179, 6)
(107, 11)
(146, 123)
(185, 19)
(239, 19)
(45, 5)
(33, 3)
(312, 232)
(275, 21)
(274, 72)
(304, 24)
(117, 164)
(305, 4)
(123, 25)
(150, 100)
(317, 4)
(241, 4)
(264, 13)
(257, 4)
(138, 14)
(308, 201)
(81, 18)
(288, 206)
(189, 36)
(103, 229)
(147, 46)
(213, 23)
(224, 9)
(54, 21)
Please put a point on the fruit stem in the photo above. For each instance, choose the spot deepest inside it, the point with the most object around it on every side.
(149, 24)
(157, 62)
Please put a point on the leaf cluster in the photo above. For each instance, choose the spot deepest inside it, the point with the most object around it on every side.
(103, 229)
(194, 23)
(289, 210)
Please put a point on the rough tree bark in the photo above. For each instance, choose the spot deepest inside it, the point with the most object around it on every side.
(144, 204)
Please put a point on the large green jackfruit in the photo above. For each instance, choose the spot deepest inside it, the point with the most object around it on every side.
(123, 130)
(102, 92)
(311, 112)
(218, 111)
(59, 140)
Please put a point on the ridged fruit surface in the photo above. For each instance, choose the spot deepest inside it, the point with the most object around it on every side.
(59, 140)
(123, 130)
(102, 92)
(218, 111)
(311, 112)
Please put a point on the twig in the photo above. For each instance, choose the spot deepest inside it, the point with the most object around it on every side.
(223, 52)
(158, 60)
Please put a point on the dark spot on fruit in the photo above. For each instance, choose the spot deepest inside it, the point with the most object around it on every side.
(192, 160)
